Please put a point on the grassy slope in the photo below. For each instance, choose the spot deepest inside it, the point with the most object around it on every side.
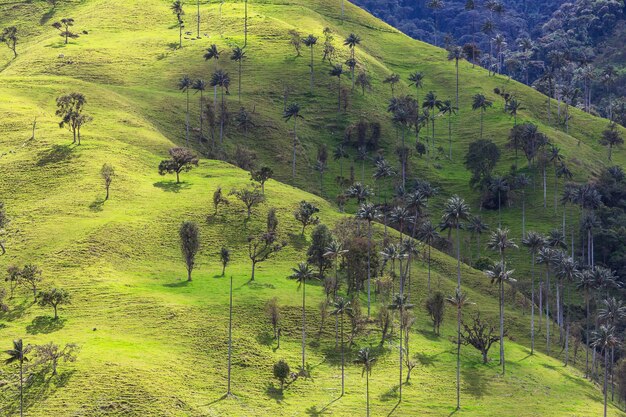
(152, 345)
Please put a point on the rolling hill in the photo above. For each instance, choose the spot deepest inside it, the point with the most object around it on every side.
(153, 344)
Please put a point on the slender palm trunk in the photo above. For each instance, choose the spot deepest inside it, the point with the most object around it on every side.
(523, 213)
(222, 119)
(369, 274)
(201, 115)
(482, 112)
(230, 332)
(457, 83)
(342, 359)
(532, 307)
(21, 387)
(295, 141)
(502, 326)
(458, 357)
(429, 269)
(311, 69)
(587, 334)
(367, 392)
(450, 128)
(548, 311)
(187, 120)
(606, 391)
(400, 344)
(239, 81)
(303, 322)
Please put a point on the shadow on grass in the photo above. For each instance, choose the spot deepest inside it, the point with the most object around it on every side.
(475, 381)
(426, 359)
(47, 16)
(390, 394)
(561, 370)
(38, 387)
(429, 335)
(297, 241)
(179, 284)
(97, 205)
(171, 186)
(45, 325)
(55, 155)
(16, 311)
(274, 392)
(313, 411)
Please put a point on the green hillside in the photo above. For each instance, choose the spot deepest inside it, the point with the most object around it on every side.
(153, 344)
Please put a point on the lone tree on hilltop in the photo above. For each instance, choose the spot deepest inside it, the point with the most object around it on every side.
(107, 173)
(70, 109)
(189, 244)
(181, 159)
(53, 298)
(281, 372)
(306, 214)
(9, 37)
(64, 26)
(261, 176)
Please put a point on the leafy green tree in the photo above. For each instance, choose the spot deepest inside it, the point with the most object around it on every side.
(310, 42)
(18, 355)
(9, 38)
(481, 158)
(64, 27)
(301, 274)
(321, 238)
(50, 355)
(352, 41)
(261, 248)
(261, 176)
(293, 112)
(459, 300)
(30, 277)
(367, 360)
(53, 298)
(369, 213)
(272, 308)
(238, 56)
(185, 84)
(219, 199)
(199, 86)
(337, 71)
(611, 137)
(281, 372)
(70, 110)
(364, 81)
(189, 244)
(306, 214)
(435, 306)
(224, 258)
(250, 197)
(181, 159)
(480, 335)
(482, 103)
(107, 172)
(455, 54)
(177, 9)
(342, 306)
(401, 304)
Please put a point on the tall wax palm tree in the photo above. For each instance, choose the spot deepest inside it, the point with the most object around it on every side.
(436, 5)
(568, 197)
(410, 248)
(415, 201)
(238, 56)
(458, 300)
(342, 306)
(534, 242)
(547, 257)
(293, 112)
(310, 41)
(200, 87)
(359, 192)
(428, 234)
(213, 53)
(613, 312)
(382, 171)
(586, 283)
(339, 154)
(352, 41)
(499, 275)
(362, 155)
(448, 109)
(185, 84)
(366, 359)
(513, 108)
(177, 9)
(605, 340)
(416, 79)
(337, 71)
(611, 137)
(456, 53)
(401, 216)
(335, 252)
(18, 355)
(301, 274)
(499, 241)
(477, 227)
(402, 305)
(499, 185)
(521, 181)
(368, 212)
(557, 158)
(392, 80)
(482, 103)
(567, 270)
(432, 104)
(455, 212)
(221, 79)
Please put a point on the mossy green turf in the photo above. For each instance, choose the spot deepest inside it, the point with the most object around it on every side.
(154, 345)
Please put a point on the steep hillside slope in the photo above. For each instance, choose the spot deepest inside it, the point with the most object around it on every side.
(154, 345)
